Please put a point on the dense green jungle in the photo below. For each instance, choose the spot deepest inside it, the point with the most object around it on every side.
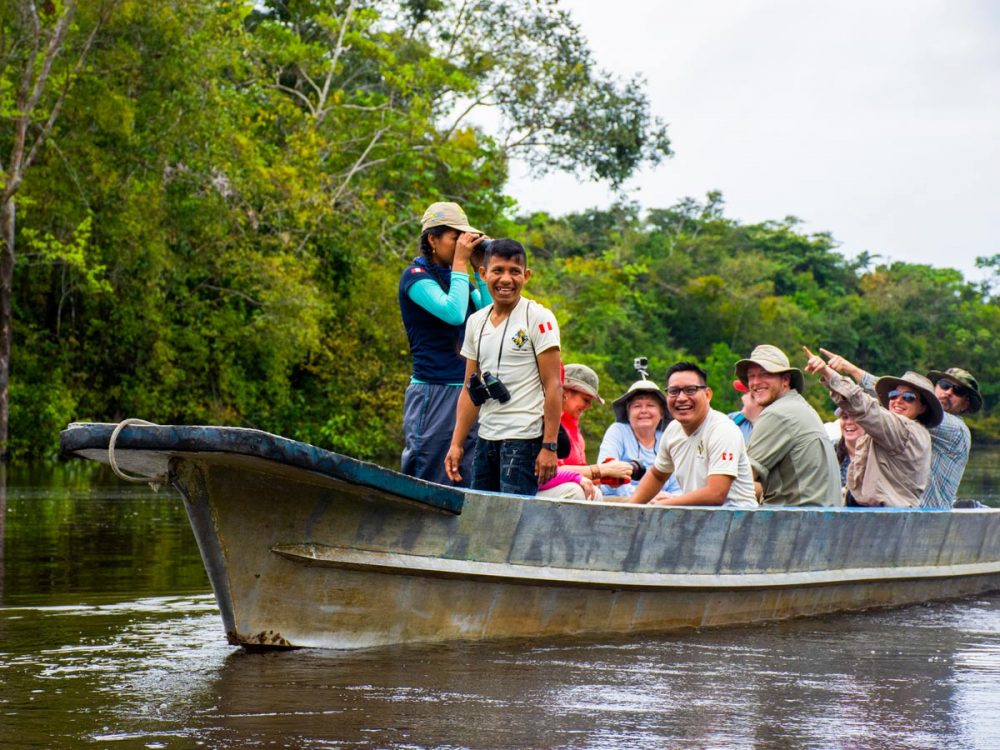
(214, 202)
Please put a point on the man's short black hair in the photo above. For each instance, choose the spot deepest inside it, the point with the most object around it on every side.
(688, 367)
(506, 249)
(425, 244)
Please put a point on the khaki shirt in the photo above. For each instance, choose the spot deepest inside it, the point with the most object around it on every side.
(792, 456)
(892, 462)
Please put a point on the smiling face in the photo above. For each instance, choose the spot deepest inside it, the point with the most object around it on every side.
(850, 429)
(904, 407)
(505, 277)
(576, 403)
(644, 413)
(767, 387)
(689, 410)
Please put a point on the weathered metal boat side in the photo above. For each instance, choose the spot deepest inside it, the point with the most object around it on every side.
(307, 548)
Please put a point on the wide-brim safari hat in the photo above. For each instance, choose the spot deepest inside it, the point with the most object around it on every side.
(934, 413)
(446, 215)
(582, 378)
(771, 359)
(638, 388)
(964, 378)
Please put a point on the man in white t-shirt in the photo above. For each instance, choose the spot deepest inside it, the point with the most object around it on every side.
(702, 448)
(516, 342)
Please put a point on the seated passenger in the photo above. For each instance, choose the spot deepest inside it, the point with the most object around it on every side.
(892, 460)
(640, 415)
(580, 384)
(791, 455)
(958, 393)
(850, 431)
(701, 446)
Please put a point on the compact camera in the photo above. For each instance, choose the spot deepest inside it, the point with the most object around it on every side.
(641, 365)
(485, 388)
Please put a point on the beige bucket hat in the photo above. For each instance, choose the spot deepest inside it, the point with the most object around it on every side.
(934, 413)
(964, 378)
(582, 378)
(446, 215)
(772, 360)
(638, 388)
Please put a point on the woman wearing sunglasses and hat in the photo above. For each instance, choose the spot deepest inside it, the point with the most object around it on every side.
(892, 461)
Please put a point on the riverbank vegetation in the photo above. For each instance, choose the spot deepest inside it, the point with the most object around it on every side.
(214, 227)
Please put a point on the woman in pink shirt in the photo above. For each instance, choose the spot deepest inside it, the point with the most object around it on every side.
(579, 392)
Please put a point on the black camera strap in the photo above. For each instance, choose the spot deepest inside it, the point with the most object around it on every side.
(503, 339)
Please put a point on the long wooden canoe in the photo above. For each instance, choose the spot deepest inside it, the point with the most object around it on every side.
(305, 547)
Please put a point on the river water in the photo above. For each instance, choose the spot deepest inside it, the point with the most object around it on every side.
(109, 637)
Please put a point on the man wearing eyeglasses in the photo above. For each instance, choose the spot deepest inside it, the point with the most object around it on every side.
(958, 393)
(702, 448)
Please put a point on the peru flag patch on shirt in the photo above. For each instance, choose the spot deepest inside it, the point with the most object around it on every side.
(543, 327)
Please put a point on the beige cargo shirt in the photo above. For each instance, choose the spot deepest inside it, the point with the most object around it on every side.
(792, 456)
(892, 462)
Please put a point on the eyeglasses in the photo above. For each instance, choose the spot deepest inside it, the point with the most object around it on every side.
(688, 390)
(907, 396)
(958, 390)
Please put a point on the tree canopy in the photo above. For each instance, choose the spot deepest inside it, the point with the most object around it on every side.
(213, 228)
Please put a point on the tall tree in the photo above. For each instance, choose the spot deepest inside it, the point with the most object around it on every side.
(43, 48)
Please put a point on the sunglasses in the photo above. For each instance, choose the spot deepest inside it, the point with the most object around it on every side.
(907, 396)
(688, 390)
(958, 390)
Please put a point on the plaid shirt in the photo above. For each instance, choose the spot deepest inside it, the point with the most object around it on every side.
(950, 444)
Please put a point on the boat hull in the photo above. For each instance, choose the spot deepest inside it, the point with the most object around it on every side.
(302, 557)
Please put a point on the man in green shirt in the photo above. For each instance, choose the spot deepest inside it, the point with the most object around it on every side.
(792, 458)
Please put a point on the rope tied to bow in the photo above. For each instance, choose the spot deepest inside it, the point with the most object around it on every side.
(154, 482)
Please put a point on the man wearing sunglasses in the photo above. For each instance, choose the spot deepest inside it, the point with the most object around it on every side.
(958, 393)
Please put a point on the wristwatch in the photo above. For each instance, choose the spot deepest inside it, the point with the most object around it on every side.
(550, 447)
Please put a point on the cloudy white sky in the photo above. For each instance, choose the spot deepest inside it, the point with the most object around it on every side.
(877, 121)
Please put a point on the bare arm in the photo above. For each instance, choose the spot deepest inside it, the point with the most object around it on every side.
(714, 492)
(465, 415)
(548, 370)
(649, 486)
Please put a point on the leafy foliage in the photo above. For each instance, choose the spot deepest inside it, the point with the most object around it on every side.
(215, 227)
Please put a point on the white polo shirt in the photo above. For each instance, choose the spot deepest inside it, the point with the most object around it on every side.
(716, 447)
(508, 351)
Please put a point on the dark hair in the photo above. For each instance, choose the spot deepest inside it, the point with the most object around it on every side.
(506, 249)
(425, 245)
(688, 367)
(841, 450)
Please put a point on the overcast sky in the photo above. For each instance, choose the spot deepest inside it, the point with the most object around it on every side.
(877, 121)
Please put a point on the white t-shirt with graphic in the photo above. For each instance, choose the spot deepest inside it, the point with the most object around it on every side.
(716, 447)
(506, 352)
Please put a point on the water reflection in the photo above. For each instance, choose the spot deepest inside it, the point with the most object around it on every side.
(893, 680)
(109, 637)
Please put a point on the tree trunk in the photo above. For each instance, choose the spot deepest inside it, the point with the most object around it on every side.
(7, 214)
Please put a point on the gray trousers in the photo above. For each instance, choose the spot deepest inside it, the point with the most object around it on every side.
(428, 422)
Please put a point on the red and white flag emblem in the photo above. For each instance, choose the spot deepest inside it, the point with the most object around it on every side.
(543, 327)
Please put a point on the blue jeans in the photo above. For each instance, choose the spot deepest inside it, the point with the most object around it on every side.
(506, 466)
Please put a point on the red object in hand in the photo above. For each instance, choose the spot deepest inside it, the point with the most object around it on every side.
(618, 481)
